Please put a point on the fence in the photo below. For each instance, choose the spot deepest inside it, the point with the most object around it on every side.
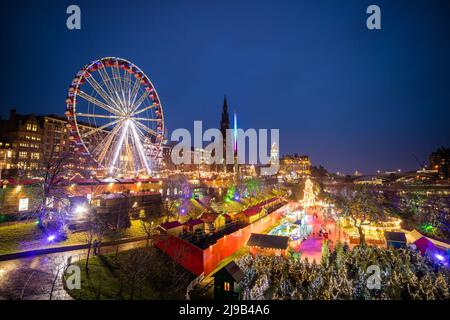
(193, 284)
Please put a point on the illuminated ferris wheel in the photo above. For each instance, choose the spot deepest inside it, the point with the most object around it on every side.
(115, 116)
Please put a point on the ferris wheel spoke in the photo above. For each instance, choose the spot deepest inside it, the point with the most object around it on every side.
(108, 149)
(108, 98)
(128, 84)
(102, 152)
(144, 109)
(135, 153)
(140, 100)
(134, 93)
(100, 128)
(147, 119)
(141, 126)
(99, 89)
(118, 146)
(133, 90)
(90, 115)
(115, 88)
(110, 86)
(140, 147)
(105, 146)
(118, 81)
(97, 102)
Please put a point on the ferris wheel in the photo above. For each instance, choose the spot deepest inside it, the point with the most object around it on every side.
(115, 116)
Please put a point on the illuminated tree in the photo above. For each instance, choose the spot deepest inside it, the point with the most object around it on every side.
(309, 197)
(441, 287)
(405, 274)
(53, 198)
(152, 217)
(362, 206)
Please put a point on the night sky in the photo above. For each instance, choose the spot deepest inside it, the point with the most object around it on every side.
(349, 97)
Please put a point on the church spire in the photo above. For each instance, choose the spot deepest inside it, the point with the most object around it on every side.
(225, 120)
(225, 105)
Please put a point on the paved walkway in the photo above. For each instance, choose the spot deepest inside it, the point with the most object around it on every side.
(31, 278)
(311, 248)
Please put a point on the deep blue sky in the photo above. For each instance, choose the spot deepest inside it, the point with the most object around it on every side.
(349, 97)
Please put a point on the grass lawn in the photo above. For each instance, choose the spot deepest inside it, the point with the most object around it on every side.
(106, 279)
(27, 236)
(228, 207)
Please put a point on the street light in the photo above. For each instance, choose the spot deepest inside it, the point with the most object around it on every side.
(80, 209)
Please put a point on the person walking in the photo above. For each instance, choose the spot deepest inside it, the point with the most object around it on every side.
(95, 247)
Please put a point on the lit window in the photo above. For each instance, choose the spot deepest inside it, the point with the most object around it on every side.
(226, 286)
(9, 154)
(23, 155)
(28, 126)
(23, 204)
(34, 128)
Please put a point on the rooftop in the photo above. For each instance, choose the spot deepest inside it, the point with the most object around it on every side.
(268, 241)
(194, 222)
(395, 236)
(170, 225)
(251, 211)
(233, 270)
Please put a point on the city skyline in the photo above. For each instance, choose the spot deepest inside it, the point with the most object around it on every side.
(365, 101)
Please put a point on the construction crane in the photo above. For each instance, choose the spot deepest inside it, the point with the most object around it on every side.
(422, 165)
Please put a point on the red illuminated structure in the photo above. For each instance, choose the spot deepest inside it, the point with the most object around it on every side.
(199, 260)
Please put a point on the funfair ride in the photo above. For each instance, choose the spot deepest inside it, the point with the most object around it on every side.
(115, 117)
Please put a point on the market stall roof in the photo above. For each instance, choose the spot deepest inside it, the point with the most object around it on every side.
(268, 241)
(209, 217)
(268, 201)
(24, 182)
(83, 181)
(146, 180)
(107, 180)
(423, 245)
(251, 211)
(170, 225)
(415, 235)
(126, 180)
(233, 270)
(194, 222)
(395, 236)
